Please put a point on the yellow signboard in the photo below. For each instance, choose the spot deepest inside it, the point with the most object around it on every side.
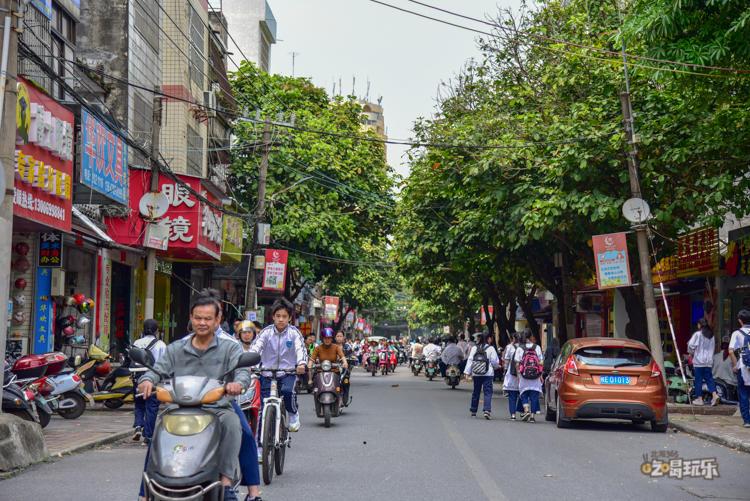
(231, 248)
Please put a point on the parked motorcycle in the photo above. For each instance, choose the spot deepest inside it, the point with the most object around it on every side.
(431, 369)
(327, 391)
(118, 385)
(64, 393)
(452, 376)
(416, 366)
(16, 400)
(727, 391)
(184, 456)
(28, 370)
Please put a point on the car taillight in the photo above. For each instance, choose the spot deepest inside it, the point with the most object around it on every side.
(571, 367)
(655, 369)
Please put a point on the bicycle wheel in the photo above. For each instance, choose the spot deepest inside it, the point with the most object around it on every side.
(269, 445)
(281, 452)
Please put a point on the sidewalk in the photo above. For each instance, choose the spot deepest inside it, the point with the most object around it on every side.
(723, 430)
(95, 427)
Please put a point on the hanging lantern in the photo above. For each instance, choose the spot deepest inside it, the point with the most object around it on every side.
(22, 264)
(20, 283)
(22, 248)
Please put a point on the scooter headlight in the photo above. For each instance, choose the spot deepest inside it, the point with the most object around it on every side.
(326, 365)
(183, 425)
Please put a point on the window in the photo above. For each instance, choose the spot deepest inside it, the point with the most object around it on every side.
(142, 117)
(194, 152)
(265, 53)
(197, 40)
(147, 21)
(613, 356)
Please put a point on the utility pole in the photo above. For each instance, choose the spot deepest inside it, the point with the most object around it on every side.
(151, 255)
(641, 229)
(8, 71)
(251, 292)
(294, 60)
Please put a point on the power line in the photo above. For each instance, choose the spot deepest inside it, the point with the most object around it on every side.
(543, 47)
(578, 45)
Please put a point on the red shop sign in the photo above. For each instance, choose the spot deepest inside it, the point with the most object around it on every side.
(195, 227)
(43, 186)
(274, 276)
(698, 253)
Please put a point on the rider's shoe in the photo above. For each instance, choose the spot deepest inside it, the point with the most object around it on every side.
(229, 493)
(294, 422)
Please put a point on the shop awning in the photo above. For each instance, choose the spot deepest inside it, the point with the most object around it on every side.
(99, 234)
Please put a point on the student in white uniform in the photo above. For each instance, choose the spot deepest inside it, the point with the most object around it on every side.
(529, 366)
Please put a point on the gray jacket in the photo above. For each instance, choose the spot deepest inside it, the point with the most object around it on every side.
(181, 359)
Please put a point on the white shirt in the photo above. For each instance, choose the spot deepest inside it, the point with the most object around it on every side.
(737, 342)
(529, 384)
(492, 358)
(157, 350)
(510, 382)
(702, 349)
(431, 351)
(722, 368)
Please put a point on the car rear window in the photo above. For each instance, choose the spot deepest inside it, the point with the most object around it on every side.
(613, 356)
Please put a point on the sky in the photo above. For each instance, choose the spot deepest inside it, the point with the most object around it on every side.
(404, 57)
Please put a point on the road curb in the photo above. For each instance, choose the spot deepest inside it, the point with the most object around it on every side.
(732, 443)
(94, 442)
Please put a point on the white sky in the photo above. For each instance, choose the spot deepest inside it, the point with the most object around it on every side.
(404, 57)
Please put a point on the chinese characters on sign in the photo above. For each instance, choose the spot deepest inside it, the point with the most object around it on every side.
(274, 276)
(104, 159)
(611, 257)
(104, 301)
(50, 249)
(669, 464)
(698, 252)
(43, 312)
(330, 307)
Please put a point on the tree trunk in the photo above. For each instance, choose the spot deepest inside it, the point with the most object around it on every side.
(526, 303)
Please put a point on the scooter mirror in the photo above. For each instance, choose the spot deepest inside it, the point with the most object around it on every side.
(248, 359)
(142, 357)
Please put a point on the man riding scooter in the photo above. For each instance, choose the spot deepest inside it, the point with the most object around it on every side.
(207, 355)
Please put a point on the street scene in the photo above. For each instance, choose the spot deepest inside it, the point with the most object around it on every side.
(265, 249)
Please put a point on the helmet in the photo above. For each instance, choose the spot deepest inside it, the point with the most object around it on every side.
(327, 332)
(246, 326)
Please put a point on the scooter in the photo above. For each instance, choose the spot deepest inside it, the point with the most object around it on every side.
(118, 387)
(393, 361)
(64, 393)
(327, 391)
(452, 376)
(431, 369)
(384, 362)
(416, 366)
(184, 457)
(16, 400)
(727, 391)
(372, 363)
(346, 374)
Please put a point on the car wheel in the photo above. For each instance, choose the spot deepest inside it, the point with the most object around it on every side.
(560, 421)
(660, 426)
(549, 415)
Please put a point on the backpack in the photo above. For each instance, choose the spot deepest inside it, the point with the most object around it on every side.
(513, 367)
(529, 367)
(480, 364)
(745, 350)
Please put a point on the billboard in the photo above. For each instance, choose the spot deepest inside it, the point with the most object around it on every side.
(611, 258)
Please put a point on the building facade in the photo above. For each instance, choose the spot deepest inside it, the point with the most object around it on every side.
(253, 28)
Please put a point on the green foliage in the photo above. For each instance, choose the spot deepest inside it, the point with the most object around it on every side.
(327, 196)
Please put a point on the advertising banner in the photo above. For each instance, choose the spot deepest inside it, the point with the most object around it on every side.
(698, 253)
(104, 159)
(330, 307)
(611, 257)
(50, 249)
(43, 312)
(274, 276)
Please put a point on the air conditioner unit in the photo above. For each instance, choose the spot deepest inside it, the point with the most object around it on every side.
(209, 101)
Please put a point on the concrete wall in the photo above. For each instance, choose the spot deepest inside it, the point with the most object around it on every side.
(244, 17)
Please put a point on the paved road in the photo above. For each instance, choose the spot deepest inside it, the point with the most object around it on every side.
(409, 439)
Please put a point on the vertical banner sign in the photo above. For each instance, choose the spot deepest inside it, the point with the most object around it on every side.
(50, 249)
(330, 307)
(104, 303)
(43, 314)
(274, 276)
(612, 263)
(104, 159)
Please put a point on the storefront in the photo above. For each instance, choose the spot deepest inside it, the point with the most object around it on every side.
(189, 232)
(42, 216)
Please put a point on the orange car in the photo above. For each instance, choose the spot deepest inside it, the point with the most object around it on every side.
(611, 378)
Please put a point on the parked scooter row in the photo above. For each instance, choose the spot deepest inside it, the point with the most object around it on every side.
(680, 391)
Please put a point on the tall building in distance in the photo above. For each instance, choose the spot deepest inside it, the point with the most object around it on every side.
(253, 27)
(373, 118)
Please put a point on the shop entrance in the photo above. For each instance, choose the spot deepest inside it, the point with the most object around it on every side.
(120, 335)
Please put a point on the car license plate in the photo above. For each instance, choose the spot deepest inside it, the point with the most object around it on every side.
(614, 379)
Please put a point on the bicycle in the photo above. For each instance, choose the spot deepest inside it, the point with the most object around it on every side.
(274, 438)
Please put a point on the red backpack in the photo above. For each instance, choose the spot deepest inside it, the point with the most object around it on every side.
(530, 366)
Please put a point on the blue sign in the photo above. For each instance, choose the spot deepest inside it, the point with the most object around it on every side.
(43, 315)
(104, 159)
(43, 6)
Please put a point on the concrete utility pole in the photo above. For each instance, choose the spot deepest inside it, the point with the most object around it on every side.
(251, 292)
(8, 71)
(151, 255)
(652, 316)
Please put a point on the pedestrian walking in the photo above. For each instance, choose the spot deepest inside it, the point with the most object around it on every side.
(146, 409)
(702, 346)
(510, 381)
(550, 354)
(529, 360)
(481, 365)
(739, 352)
